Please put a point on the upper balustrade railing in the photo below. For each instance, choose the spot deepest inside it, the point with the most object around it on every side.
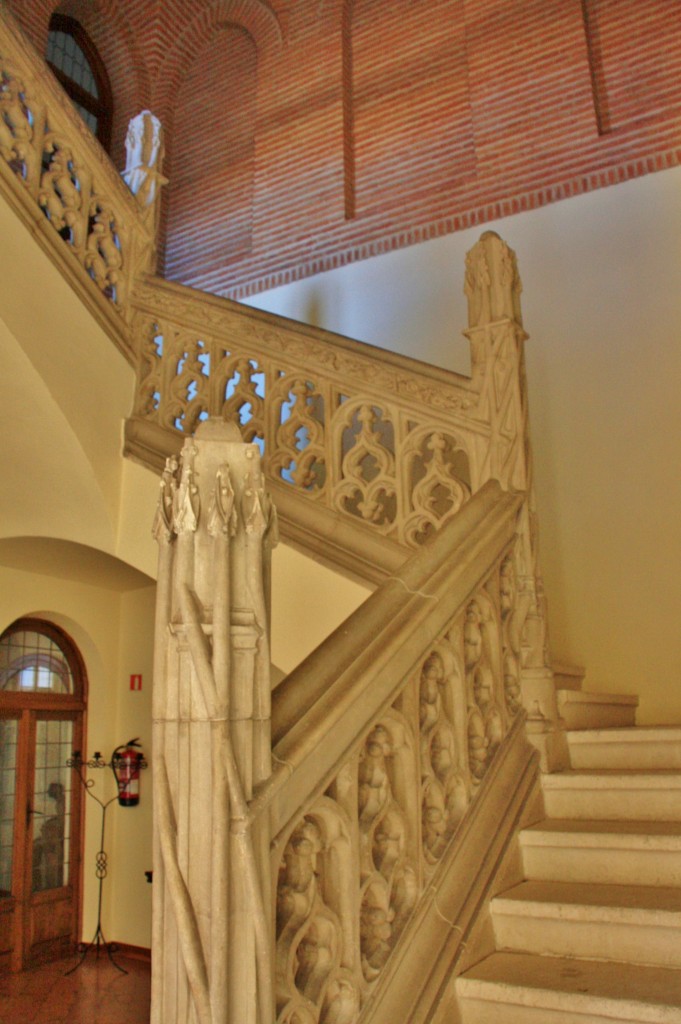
(351, 432)
(367, 450)
(69, 187)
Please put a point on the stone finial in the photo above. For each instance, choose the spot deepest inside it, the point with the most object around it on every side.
(492, 283)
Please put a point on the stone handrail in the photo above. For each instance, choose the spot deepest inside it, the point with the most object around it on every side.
(69, 191)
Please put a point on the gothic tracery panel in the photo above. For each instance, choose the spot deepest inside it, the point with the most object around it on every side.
(366, 485)
(437, 478)
(298, 454)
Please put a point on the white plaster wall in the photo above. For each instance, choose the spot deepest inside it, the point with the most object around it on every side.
(602, 304)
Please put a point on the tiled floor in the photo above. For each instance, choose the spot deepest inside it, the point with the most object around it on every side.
(94, 994)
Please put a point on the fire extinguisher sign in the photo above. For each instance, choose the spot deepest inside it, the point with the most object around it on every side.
(136, 682)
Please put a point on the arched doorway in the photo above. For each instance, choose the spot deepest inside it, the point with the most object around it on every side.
(43, 694)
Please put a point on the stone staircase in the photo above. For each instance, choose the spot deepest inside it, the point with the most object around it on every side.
(593, 934)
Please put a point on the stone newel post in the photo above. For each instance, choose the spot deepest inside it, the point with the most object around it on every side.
(215, 527)
(497, 339)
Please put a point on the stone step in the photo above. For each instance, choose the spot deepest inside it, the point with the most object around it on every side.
(637, 924)
(615, 795)
(611, 852)
(568, 677)
(642, 747)
(520, 988)
(581, 710)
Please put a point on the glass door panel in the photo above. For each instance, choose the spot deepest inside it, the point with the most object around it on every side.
(9, 733)
(51, 805)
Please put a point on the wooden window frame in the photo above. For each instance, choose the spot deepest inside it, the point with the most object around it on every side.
(102, 106)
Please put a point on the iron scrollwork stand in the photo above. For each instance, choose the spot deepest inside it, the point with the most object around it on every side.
(80, 766)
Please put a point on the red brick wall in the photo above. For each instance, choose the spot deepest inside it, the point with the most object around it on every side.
(212, 162)
(410, 100)
(336, 129)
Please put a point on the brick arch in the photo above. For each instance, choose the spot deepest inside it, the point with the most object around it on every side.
(253, 16)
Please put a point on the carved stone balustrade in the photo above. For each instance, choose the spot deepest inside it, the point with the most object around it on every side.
(350, 434)
(55, 174)
(384, 738)
(382, 785)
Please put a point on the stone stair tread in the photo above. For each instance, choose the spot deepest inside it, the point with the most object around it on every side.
(624, 992)
(600, 697)
(588, 826)
(614, 777)
(622, 900)
(626, 733)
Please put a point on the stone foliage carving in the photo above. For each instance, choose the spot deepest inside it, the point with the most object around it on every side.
(315, 981)
(355, 864)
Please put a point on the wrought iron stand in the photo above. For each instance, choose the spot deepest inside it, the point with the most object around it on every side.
(98, 940)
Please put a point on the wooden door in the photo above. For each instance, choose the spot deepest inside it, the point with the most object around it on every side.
(41, 723)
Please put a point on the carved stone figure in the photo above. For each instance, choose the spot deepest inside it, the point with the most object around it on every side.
(434, 823)
(16, 129)
(297, 878)
(472, 635)
(374, 784)
(316, 957)
(60, 195)
(144, 151)
(477, 745)
(375, 935)
(341, 1004)
(389, 840)
(432, 675)
(103, 257)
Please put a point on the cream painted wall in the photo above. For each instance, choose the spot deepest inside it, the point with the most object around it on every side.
(132, 835)
(310, 601)
(602, 304)
(114, 633)
(89, 382)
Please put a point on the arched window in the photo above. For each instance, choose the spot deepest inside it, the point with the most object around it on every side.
(42, 707)
(73, 58)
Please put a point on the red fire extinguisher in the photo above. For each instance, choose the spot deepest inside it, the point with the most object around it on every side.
(127, 761)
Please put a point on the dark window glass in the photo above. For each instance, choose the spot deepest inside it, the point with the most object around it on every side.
(73, 58)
